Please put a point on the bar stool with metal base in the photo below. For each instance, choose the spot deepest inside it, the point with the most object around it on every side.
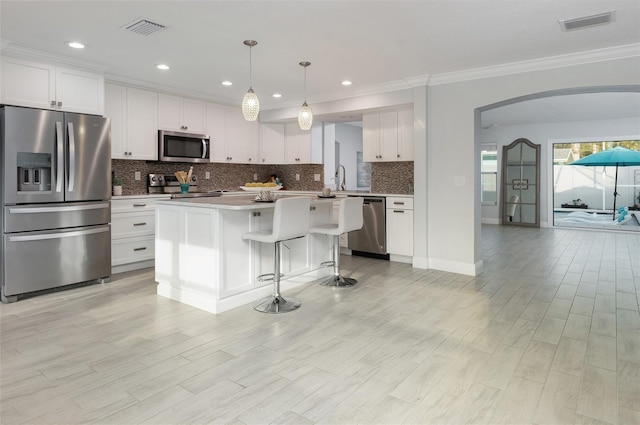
(349, 218)
(290, 221)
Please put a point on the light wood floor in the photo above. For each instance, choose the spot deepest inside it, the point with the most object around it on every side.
(548, 334)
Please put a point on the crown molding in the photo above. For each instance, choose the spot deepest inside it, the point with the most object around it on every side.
(9, 49)
(591, 56)
(147, 85)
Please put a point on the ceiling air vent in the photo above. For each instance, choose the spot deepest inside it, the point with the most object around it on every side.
(143, 27)
(587, 21)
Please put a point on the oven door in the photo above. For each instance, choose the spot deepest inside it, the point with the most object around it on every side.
(182, 147)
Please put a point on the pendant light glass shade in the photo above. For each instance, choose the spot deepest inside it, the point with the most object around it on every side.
(250, 102)
(305, 116)
(250, 106)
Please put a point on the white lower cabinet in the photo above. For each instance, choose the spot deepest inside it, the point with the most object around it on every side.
(133, 233)
(400, 228)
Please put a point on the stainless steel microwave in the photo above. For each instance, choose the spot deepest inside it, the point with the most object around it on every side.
(175, 146)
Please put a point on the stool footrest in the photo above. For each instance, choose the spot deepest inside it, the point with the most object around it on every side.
(267, 276)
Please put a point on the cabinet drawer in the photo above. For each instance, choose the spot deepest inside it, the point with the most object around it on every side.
(399, 203)
(131, 250)
(135, 204)
(132, 224)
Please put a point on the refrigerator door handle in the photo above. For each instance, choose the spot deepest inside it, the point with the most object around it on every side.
(204, 148)
(59, 156)
(58, 209)
(57, 235)
(72, 156)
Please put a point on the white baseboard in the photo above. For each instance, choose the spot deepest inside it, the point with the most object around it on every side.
(132, 266)
(401, 258)
(488, 220)
(469, 269)
(208, 301)
(420, 262)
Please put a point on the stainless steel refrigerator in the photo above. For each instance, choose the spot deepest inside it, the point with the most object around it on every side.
(55, 190)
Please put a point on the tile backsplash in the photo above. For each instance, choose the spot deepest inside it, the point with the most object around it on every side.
(386, 177)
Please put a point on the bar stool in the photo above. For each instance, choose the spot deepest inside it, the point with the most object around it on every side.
(291, 218)
(349, 218)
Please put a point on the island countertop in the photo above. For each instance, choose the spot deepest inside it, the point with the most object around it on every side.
(237, 202)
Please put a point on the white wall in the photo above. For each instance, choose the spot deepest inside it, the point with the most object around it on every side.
(446, 167)
(329, 155)
(453, 158)
(545, 134)
(350, 139)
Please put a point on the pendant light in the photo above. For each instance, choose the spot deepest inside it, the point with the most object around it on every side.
(250, 102)
(305, 116)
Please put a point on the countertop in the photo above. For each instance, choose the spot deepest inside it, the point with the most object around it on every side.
(242, 201)
(284, 192)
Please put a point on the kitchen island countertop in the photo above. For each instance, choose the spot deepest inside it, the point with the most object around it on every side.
(238, 202)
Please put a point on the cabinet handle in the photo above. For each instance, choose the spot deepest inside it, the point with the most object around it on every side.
(398, 203)
(256, 214)
(53, 103)
(249, 159)
(312, 208)
(59, 104)
(139, 205)
(263, 160)
(140, 249)
(398, 155)
(398, 211)
(139, 224)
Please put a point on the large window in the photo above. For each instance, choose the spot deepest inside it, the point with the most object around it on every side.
(584, 195)
(489, 173)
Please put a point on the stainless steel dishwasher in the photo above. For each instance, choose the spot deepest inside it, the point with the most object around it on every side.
(371, 240)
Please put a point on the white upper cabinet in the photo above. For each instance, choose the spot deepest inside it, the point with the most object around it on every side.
(271, 143)
(242, 138)
(115, 108)
(297, 144)
(233, 140)
(405, 135)
(38, 85)
(134, 122)
(387, 136)
(217, 131)
(181, 114)
(371, 137)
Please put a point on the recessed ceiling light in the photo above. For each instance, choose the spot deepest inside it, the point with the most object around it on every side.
(162, 66)
(75, 45)
(277, 95)
(346, 83)
(227, 83)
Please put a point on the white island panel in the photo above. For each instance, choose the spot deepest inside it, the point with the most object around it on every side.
(202, 260)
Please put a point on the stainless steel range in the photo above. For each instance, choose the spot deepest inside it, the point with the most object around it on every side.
(168, 183)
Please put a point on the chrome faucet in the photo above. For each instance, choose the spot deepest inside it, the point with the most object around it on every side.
(342, 185)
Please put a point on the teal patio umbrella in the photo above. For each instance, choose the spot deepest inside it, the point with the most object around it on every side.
(618, 156)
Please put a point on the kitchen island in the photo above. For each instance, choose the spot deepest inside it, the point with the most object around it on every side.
(202, 260)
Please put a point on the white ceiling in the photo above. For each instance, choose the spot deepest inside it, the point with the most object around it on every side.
(375, 44)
